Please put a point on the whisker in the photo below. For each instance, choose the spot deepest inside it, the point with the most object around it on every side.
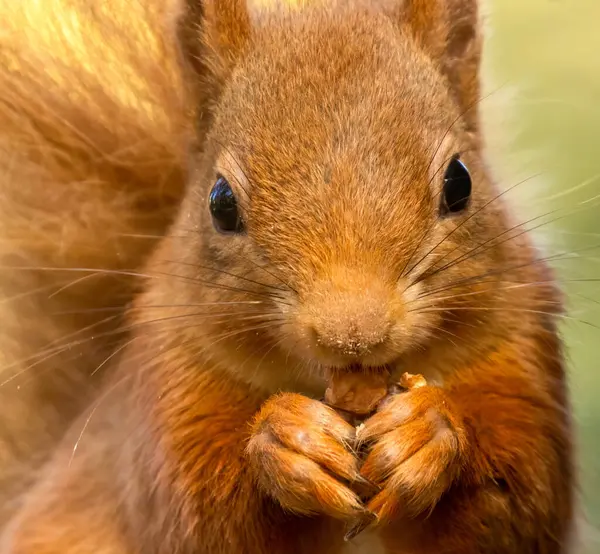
(516, 310)
(435, 153)
(221, 337)
(59, 340)
(557, 303)
(495, 281)
(455, 320)
(245, 330)
(43, 370)
(467, 256)
(442, 330)
(474, 251)
(207, 268)
(157, 275)
(290, 351)
(274, 275)
(573, 189)
(32, 292)
(257, 350)
(495, 289)
(116, 352)
(467, 219)
(157, 306)
(433, 223)
(71, 284)
(552, 258)
(89, 418)
(49, 353)
(193, 232)
(458, 118)
(192, 346)
(263, 268)
(274, 345)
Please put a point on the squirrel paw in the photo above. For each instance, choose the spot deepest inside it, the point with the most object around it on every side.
(417, 445)
(300, 453)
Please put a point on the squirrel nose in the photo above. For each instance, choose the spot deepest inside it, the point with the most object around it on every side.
(351, 340)
(351, 324)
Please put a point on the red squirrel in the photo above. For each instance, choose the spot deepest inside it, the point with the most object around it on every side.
(337, 212)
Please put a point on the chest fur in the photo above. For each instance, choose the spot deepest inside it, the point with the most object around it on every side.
(366, 543)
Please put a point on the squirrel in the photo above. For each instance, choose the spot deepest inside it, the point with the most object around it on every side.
(316, 177)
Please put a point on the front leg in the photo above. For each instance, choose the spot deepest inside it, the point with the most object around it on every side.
(419, 447)
(482, 465)
(176, 472)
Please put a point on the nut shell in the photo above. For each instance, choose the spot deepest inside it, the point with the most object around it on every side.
(357, 392)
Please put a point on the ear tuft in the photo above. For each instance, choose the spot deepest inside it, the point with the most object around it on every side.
(213, 34)
(449, 31)
(226, 28)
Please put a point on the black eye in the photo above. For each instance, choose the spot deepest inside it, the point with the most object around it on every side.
(457, 188)
(223, 207)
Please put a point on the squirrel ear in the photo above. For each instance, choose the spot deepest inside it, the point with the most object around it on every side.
(213, 34)
(449, 31)
(226, 29)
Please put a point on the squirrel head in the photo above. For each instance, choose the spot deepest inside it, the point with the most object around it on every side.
(339, 182)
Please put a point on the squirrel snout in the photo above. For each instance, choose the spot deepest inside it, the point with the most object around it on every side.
(351, 325)
(351, 340)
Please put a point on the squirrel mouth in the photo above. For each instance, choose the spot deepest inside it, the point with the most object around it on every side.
(357, 368)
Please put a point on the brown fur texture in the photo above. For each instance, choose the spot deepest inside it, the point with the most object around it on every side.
(334, 124)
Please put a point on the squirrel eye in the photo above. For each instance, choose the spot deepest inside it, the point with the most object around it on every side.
(457, 188)
(223, 207)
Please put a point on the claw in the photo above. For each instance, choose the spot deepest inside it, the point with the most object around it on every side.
(365, 488)
(361, 525)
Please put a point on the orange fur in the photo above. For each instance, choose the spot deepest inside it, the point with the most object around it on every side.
(333, 124)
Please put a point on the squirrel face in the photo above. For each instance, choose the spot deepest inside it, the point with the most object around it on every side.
(338, 178)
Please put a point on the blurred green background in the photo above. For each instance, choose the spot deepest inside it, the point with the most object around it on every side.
(542, 112)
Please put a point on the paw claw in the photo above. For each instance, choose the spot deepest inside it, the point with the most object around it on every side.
(365, 488)
(300, 455)
(369, 519)
(416, 445)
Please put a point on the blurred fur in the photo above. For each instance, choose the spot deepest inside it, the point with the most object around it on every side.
(93, 137)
